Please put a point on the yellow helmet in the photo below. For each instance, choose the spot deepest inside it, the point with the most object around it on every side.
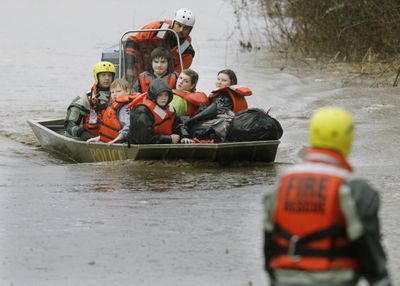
(102, 67)
(332, 128)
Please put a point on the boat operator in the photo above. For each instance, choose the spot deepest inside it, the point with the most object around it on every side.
(140, 45)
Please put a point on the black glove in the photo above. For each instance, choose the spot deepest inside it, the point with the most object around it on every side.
(209, 112)
(83, 134)
(100, 106)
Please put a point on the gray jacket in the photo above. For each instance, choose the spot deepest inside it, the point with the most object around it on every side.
(359, 203)
(79, 108)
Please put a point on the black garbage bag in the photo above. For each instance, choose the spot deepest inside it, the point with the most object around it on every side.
(254, 124)
(213, 129)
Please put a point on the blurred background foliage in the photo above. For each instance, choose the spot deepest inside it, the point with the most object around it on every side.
(361, 32)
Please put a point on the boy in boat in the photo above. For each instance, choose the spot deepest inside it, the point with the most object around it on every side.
(85, 112)
(140, 45)
(186, 100)
(115, 124)
(161, 67)
(153, 119)
(321, 224)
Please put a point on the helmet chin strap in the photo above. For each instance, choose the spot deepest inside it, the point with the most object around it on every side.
(101, 88)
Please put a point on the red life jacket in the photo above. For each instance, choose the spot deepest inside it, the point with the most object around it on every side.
(93, 128)
(163, 117)
(237, 94)
(148, 41)
(309, 231)
(194, 99)
(145, 78)
(110, 125)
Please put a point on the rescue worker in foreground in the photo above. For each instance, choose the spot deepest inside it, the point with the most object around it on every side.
(85, 112)
(140, 45)
(321, 225)
(153, 119)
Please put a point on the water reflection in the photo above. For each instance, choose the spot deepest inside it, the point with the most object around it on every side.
(164, 176)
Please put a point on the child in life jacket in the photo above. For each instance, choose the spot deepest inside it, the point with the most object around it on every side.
(227, 97)
(161, 67)
(115, 124)
(153, 119)
(186, 100)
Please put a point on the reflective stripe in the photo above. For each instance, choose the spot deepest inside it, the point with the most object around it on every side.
(161, 34)
(322, 157)
(184, 46)
(318, 168)
(160, 112)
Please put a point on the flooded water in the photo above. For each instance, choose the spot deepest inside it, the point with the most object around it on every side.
(156, 223)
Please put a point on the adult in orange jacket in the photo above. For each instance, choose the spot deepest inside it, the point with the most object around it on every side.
(140, 44)
(321, 224)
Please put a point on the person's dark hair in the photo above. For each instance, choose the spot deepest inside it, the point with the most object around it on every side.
(161, 52)
(194, 77)
(231, 74)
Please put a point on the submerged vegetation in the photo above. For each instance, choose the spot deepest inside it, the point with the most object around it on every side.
(365, 33)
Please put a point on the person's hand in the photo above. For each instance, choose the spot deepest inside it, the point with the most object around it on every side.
(175, 138)
(94, 139)
(187, 141)
(82, 134)
(116, 139)
(100, 106)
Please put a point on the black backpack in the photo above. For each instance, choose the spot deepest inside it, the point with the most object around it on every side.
(254, 124)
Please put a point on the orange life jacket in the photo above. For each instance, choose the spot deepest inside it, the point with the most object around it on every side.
(194, 99)
(237, 94)
(309, 228)
(148, 41)
(93, 128)
(145, 78)
(110, 125)
(163, 117)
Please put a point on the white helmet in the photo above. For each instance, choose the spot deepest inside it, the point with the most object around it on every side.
(185, 17)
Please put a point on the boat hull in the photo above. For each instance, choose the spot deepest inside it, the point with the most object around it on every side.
(50, 135)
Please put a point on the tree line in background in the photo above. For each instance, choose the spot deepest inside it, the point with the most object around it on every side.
(354, 31)
(349, 29)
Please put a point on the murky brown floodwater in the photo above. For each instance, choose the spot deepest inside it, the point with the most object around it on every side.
(155, 223)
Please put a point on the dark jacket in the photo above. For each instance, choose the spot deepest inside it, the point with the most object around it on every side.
(80, 108)
(141, 130)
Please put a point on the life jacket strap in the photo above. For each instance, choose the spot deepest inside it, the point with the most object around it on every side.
(169, 117)
(298, 245)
